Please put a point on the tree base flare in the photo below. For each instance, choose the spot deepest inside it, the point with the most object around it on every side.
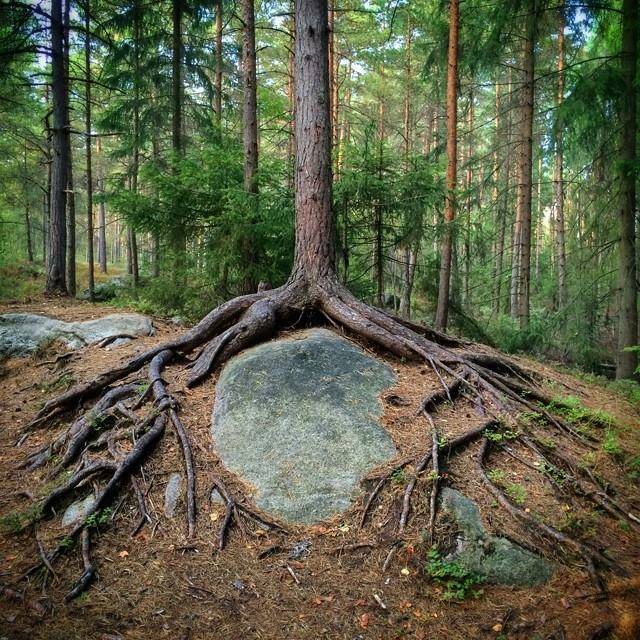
(108, 444)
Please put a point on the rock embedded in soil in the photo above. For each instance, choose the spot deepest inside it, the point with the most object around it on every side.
(297, 418)
(77, 511)
(498, 560)
(172, 494)
(22, 333)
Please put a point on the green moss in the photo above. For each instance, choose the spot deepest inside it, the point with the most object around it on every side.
(459, 583)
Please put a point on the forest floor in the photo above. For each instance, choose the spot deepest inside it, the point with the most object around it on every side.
(157, 583)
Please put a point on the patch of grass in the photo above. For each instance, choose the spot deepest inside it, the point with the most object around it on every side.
(516, 492)
(99, 518)
(585, 524)
(573, 411)
(16, 522)
(611, 444)
(21, 282)
(501, 434)
(98, 422)
(628, 389)
(459, 583)
(61, 383)
(633, 468)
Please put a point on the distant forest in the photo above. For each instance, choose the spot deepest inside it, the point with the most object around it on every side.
(484, 159)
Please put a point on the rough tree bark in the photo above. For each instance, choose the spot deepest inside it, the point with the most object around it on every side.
(442, 310)
(500, 388)
(218, 83)
(628, 305)
(521, 268)
(87, 98)
(178, 235)
(27, 210)
(57, 232)
(249, 138)
(71, 195)
(558, 177)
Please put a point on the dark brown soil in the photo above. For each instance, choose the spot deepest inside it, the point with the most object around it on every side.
(159, 585)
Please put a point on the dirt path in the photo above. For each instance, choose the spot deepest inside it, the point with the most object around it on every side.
(155, 584)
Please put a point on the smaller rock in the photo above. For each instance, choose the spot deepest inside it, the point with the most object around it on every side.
(216, 498)
(77, 511)
(300, 549)
(239, 585)
(172, 494)
(499, 560)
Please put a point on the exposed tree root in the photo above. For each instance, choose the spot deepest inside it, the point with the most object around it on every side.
(499, 388)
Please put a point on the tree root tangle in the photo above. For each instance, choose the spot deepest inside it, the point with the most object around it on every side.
(499, 388)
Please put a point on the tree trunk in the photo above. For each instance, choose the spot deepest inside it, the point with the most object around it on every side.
(467, 221)
(291, 140)
(102, 229)
(57, 245)
(27, 211)
(315, 234)
(250, 140)
(497, 201)
(522, 232)
(558, 178)
(442, 311)
(71, 197)
(334, 66)
(410, 244)
(218, 84)
(71, 232)
(378, 214)
(136, 134)
(250, 103)
(628, 311)
(87, 66)
(176, 74)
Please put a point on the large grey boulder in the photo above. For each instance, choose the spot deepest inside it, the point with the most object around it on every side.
(498, 560)
(22, 333)
(297, 418)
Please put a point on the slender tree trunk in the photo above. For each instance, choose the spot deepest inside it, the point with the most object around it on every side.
(334, 67)
(410, 244)
(497, 205)
(522, 247)
(136, 135)
(628, 310)
(250, 139)
(46, 200)
(467, 222)
(442, 311)
(291, 140)
(539, 226)
(218, 85)
(27, 211)
(378, 217)
(87, 94)
(71, 197)
(102, 229)
(57, 236)
(558, 178)
(178, 234)
(250, 103)
(176, 75)
(71, 232)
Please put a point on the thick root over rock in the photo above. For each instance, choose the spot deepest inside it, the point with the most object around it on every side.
(499, 388)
